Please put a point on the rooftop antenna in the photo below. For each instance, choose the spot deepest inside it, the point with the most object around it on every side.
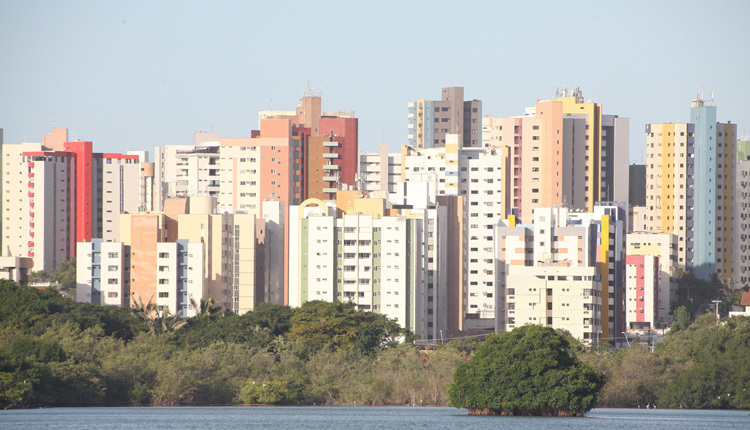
(53, 120)
(271, 103)
(450, 75)
(383, 135)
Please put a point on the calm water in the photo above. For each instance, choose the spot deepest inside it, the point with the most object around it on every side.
(325, 418)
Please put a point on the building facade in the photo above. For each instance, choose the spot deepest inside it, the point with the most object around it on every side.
(430, 121)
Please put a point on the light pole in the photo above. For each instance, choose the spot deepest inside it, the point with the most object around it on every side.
(716, 302)
(626, 339)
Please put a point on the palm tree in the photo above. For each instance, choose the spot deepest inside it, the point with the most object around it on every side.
(147, 312)
(171, 323)
(208, 308)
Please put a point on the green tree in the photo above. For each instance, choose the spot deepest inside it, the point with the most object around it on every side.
(528, 371)
(65, 274)
(317, 324)
(682, 317)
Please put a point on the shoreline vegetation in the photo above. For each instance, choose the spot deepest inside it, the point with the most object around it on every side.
(57, 352)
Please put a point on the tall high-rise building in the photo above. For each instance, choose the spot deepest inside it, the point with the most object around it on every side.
(430, 121)
(690, 170)
(563, 152)
(59, 193)
(480, 176)
(741, 258)
(381, 258)
(670, 186)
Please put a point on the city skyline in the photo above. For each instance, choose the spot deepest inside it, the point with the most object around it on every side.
(135, 77)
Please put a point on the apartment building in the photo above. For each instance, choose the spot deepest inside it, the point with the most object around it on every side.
(557, 295)
(372, 256)
(715, 161)
(642, 275)
(15, 269)
(59, 193)
(146, 183)
(226, 256)
(565, 152)
(670, 186)
(664, 247)
(565, 240)
(480, 176)
(102, 272)
(741, 258)
(690, 171)
(429, 122)
(379, 171)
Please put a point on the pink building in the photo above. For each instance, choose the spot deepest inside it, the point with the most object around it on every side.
(642, 291)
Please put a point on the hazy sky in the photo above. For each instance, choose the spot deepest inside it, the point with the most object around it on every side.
(137, 74)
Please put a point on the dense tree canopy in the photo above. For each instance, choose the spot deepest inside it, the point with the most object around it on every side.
(528, 371)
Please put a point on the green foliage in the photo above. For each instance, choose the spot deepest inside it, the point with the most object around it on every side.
(529, 371)
(682, 317)
(65, 274)
(317, 324)
(696, 295)
(56, 352)
(288, 389)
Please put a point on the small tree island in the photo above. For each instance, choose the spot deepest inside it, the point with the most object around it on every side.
(529, 371)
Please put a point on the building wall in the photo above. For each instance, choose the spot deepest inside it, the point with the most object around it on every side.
(663, 246)
(670, 186)
(430, 121)
(556, 296)
(139, 233)
(741, 258)
(637, 189)
(379, 171)
(100, 273)
(704, 118)
(642, 295)
(481, 177)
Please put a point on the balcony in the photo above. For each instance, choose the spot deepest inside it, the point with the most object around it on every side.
(331, 167)
(330, 190)
(331, 144)
(331, 155)
(331, 178)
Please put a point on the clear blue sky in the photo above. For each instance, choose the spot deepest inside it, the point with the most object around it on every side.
(137, 74)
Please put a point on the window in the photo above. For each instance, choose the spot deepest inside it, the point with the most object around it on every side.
(113, 255)
(113, 281)
(163, 295)
(112, 294)
(112, 268)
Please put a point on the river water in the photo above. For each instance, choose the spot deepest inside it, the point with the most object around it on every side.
(333, 418)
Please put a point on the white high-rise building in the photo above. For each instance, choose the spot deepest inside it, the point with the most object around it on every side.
(379, 171)
(481, 177)
(378, 262)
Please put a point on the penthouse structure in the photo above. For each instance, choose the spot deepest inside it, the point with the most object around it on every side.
(429, 122)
